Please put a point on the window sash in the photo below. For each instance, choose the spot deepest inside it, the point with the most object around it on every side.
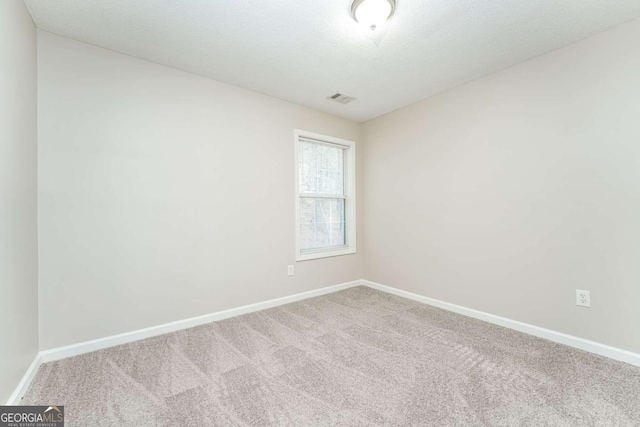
(322, 223)
(315, 171)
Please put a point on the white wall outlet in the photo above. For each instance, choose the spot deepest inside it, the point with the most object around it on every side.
(583, 298)
(290, 270)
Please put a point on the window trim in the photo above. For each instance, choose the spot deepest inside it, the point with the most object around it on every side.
(349, 196)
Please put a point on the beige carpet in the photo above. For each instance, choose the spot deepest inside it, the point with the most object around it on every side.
(357, 357)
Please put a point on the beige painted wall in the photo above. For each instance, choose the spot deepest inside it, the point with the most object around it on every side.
(508, 193)
(163, 195)
(18, 197)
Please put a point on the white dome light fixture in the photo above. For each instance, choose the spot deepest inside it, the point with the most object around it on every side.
(372, 13)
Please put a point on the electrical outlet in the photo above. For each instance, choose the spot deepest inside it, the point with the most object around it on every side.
(290, 270)
(583, 298)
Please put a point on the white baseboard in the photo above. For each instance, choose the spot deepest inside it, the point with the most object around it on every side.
(113, 340)
(98, 344)
(14, 399)
(548, 334)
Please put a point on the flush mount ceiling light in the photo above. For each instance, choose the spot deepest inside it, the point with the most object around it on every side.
(372, 13)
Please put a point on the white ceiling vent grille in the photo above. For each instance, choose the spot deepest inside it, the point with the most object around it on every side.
(341, 98)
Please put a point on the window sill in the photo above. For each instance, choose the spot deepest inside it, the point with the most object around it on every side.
(325, 254)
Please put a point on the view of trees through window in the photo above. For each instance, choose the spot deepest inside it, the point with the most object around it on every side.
(322, 196)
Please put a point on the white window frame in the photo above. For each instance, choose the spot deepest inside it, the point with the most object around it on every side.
(349, 196)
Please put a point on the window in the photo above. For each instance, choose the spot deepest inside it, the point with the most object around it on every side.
(325, 202)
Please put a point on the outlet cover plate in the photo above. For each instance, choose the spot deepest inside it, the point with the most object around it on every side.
(583, 298)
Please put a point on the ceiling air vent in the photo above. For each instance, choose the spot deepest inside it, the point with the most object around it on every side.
(342, 99)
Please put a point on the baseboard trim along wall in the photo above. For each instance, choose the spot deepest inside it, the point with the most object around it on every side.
(111, 341)
(23, 386)
(140, 334)
(548, 334)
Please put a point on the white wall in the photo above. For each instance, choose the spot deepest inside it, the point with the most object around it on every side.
(18, 197)
(163, 195)
(508, 193)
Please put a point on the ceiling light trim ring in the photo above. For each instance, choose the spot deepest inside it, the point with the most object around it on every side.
(357, 3)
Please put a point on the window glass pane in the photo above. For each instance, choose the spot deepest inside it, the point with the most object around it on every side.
(321, 223)
(321, 168)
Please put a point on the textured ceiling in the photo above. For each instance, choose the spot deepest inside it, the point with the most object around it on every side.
(306, 50)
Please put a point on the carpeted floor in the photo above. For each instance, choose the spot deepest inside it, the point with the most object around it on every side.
(358, 357)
